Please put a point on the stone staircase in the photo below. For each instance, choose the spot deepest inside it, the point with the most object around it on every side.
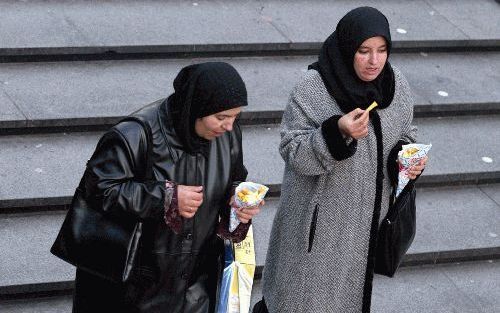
(70, 69)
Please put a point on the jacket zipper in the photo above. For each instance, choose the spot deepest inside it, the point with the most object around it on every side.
(312, 229)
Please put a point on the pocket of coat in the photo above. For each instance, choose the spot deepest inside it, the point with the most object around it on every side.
(312, 229)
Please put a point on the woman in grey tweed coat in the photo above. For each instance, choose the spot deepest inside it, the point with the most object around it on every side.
(339, 161)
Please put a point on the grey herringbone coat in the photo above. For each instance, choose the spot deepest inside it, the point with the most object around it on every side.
(318, 250)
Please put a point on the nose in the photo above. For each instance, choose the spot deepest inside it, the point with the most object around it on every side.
(228, 126)
(373, 58)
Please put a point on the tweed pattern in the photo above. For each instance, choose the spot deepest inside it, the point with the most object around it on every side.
(329, 278)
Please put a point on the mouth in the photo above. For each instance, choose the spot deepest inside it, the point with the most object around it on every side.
(372, 70)
(217, 134)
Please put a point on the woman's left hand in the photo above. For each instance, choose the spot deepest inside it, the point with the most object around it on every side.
(247, 213)
(415, 170)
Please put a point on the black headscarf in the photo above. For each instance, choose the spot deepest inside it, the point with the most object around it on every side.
(201, 90)
(335, 62)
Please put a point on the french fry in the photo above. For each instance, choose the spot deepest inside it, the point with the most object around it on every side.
(372, 106)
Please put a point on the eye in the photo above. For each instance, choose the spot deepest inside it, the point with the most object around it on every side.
(220, 117)
(362, 51)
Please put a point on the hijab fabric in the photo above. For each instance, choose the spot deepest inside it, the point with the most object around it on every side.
(335, 61)
(201, 90)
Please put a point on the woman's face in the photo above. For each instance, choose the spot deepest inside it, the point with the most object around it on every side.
(212, 126)
(370, 58)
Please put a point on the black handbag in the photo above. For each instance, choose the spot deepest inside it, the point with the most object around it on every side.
(396, 232)
(97, 242)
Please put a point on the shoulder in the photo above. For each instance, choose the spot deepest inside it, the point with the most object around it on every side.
(402, 92)
(400, 80)
(129, 131)
(310, 92)
(309, 82)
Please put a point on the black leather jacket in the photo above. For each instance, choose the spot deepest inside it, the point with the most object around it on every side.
(176, 272)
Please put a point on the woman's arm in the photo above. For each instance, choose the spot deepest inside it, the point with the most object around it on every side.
(311, 149)
(238, 174)
(112, 177)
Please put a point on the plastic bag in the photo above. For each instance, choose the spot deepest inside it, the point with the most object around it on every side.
(237, 278)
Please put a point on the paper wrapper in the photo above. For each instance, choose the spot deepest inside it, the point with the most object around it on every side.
(247, 194)
(237, 279)
(409, 155)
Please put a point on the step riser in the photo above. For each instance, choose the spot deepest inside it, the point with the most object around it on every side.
(22, 127)
(8, 55)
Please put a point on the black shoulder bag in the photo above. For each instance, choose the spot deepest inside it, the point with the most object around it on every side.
(96, 242)
(396, 232)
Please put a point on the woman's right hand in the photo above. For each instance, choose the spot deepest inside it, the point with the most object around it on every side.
(189, 199)
(355, 123)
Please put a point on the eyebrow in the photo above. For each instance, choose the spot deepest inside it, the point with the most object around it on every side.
(227, 115)
(365, 47)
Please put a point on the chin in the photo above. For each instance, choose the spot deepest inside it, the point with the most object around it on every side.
(369, 78)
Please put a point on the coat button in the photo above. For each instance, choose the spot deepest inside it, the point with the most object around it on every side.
(189, 236)
(185, 276)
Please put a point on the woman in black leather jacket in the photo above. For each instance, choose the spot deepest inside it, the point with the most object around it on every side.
(197, 162)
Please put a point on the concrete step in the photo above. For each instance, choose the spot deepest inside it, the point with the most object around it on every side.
(466, 288)
(41, 30)
(49, 166)
(450, 288)
(93, 94)
(453, 224)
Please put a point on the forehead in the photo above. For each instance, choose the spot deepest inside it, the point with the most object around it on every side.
(374, 42)
(231, 112)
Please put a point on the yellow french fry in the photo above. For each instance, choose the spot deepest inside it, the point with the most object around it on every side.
(372, 106)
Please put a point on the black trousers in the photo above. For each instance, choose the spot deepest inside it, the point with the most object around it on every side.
(260, 307)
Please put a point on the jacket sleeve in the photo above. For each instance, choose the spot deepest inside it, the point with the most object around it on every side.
(303, 145)
(238, 174)
(112, 180)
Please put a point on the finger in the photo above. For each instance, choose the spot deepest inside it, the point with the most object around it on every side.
(252, 211)
(244, 221)
(194, 188)
(415, 172)
(245, 217)
(424, 161)
(360, 134)
(356, 112)
(364, 119)
(243, 213)
(198, 196)
(186, 209)
(418, 168)
(193, 204)
(366, 114)
(186, 214)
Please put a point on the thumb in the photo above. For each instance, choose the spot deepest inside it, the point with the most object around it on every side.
(356, 112)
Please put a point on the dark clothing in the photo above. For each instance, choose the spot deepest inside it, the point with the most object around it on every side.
(336, 58)
(175, 272)
(260, 307)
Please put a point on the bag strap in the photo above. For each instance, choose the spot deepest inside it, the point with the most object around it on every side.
(149, 144)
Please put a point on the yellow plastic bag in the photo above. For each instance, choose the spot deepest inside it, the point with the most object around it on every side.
(237, 280)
